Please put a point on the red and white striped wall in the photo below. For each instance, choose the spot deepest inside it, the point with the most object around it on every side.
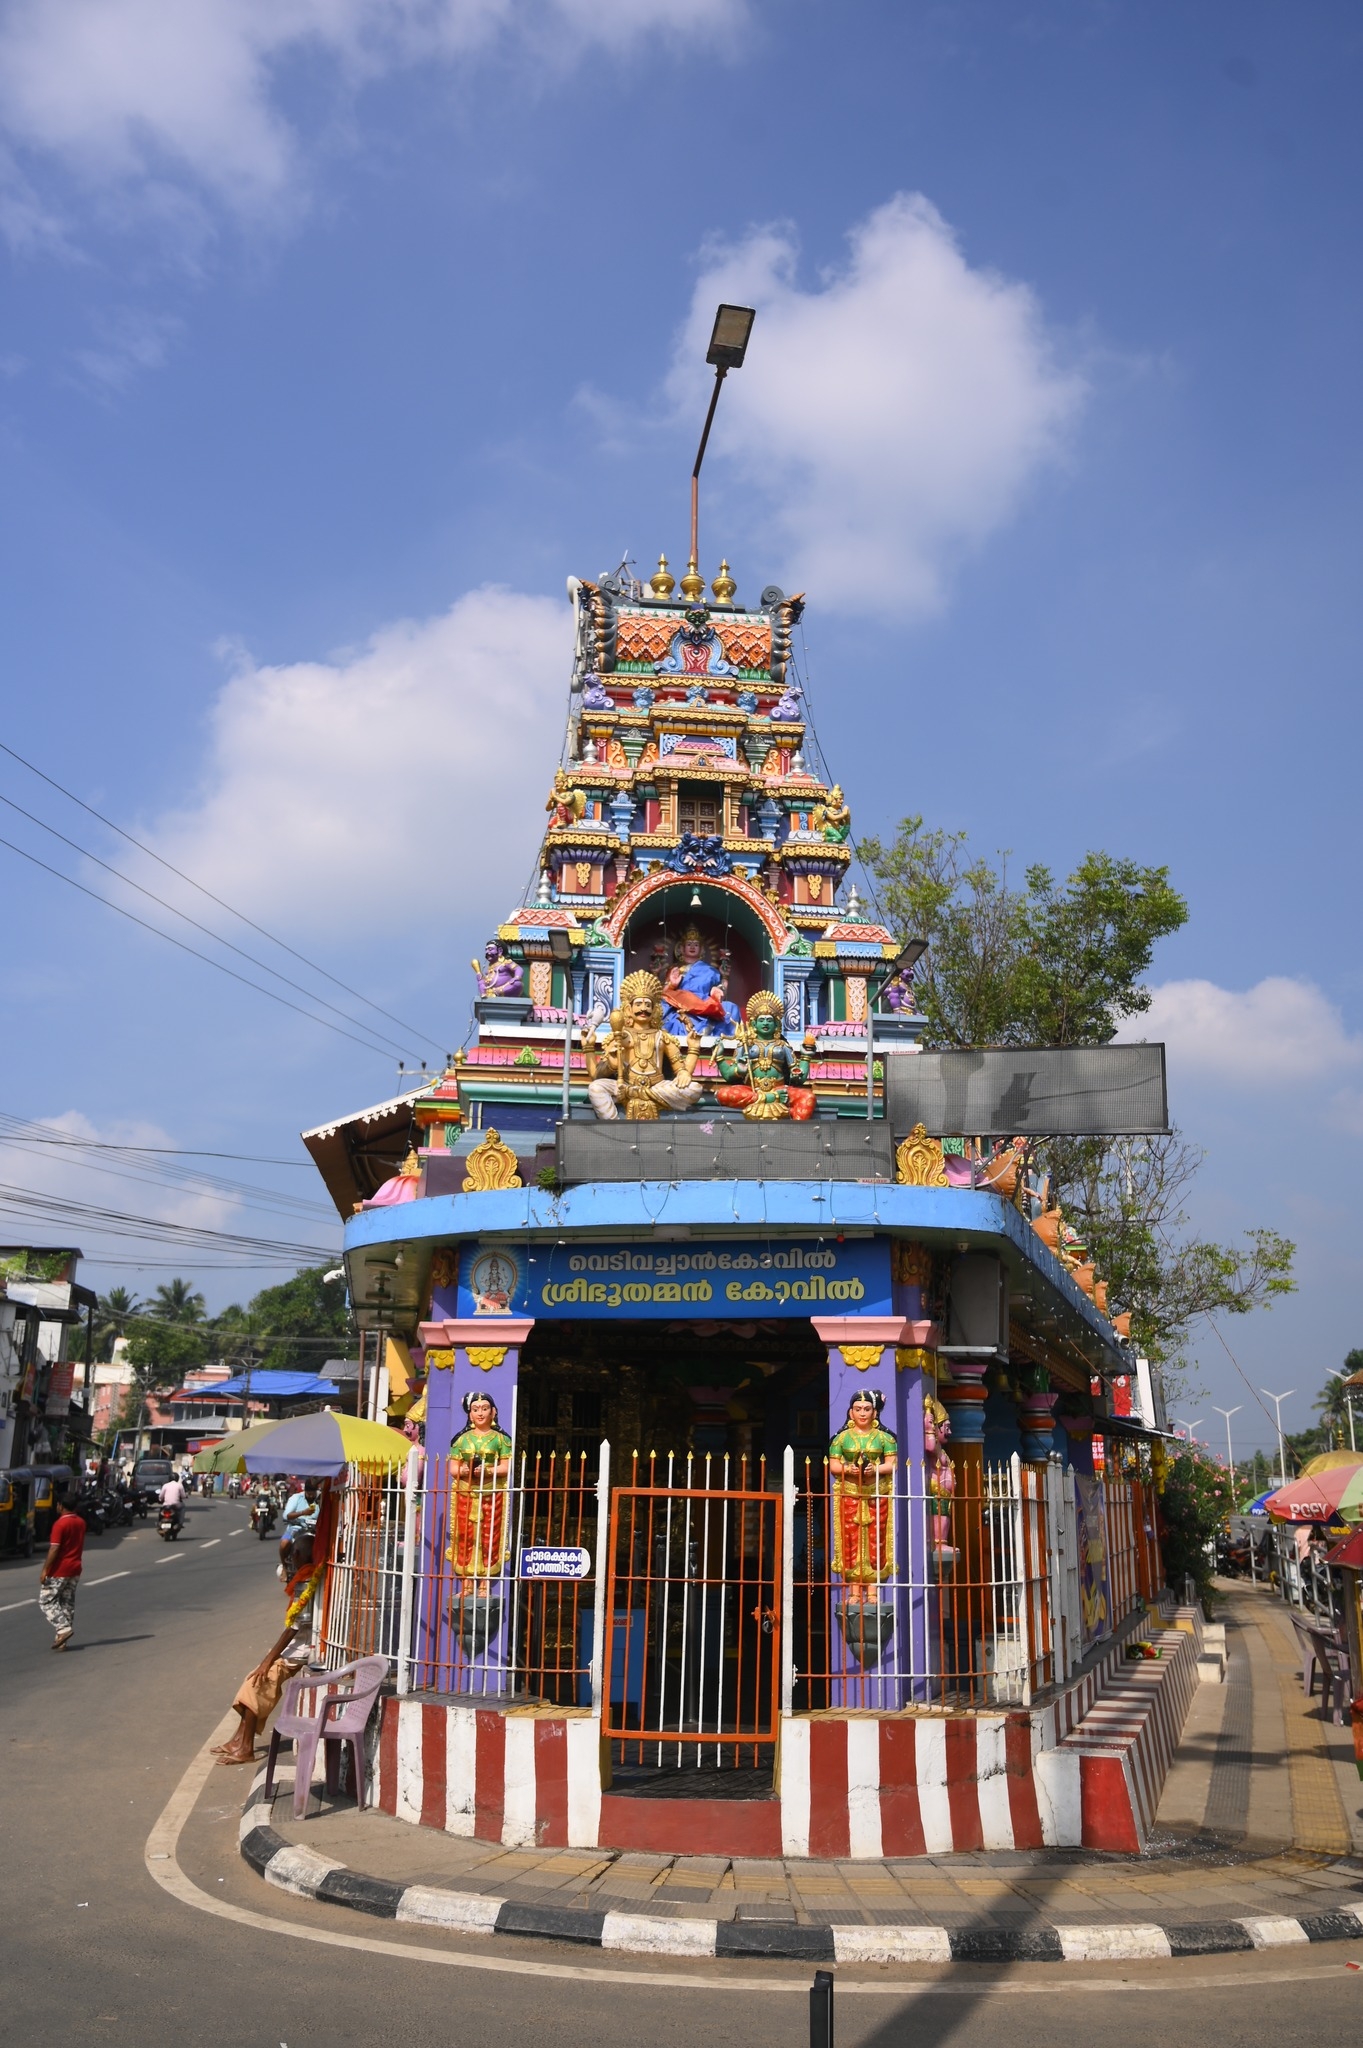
(1084, 1770)
(521, 1777)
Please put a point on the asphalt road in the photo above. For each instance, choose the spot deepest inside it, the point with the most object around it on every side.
(98, 1741)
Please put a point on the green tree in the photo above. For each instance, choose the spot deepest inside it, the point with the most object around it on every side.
(1040, 965)
(301, 1320)
(177, 1301)
(1196, 1500)
(113, 1313)
(1059, 965)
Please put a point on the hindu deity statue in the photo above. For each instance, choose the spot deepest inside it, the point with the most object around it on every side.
(833, 818)
(862, 1460)
(480, 1467)
(898, 995)
(765, 1076)
(695, 988)
(633, 1066)
(502, 976)
(565, 805)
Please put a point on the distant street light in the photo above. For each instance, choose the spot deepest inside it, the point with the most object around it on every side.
(1230, 1455)
(1277, 1400)
(1344, 1381)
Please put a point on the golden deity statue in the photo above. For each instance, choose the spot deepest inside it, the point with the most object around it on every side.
(833, 818)
(633, 1066)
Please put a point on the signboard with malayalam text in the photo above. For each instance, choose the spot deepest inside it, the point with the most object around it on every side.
(554, 1561)
(714, 1281)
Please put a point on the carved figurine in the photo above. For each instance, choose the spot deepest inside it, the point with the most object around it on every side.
(480, 1465)
(898, 995)
(766, 1075)
(833, 818)
(861, 1462)
(565, 805)
(502, 975)
(633, 1066)
(695, 988)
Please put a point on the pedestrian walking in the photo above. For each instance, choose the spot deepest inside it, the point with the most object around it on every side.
(61, 1575)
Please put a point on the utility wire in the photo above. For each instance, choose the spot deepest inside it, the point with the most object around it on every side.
(380, 1050)
(151, 854)
(207, 930)
(153, 1229)
(59, 1138)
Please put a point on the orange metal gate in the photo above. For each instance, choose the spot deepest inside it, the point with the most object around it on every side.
(691, 1660)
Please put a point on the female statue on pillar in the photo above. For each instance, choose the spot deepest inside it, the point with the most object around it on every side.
(480, 1468)
(862, 1460)
(634, 1066)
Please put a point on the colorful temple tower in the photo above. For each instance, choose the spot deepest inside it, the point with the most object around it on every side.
(742, 1414)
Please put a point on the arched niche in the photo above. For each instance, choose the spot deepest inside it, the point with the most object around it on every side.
(724, 918)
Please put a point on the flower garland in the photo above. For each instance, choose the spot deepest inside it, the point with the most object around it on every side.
(311, 1577)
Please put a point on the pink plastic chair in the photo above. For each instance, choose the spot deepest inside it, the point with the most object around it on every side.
(340, 1718)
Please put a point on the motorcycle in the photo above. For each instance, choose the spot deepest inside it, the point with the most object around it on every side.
(262, 1515)
(90, 1508)
(169, 1522)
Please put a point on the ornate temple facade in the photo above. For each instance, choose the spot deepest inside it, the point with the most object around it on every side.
(755, 1436)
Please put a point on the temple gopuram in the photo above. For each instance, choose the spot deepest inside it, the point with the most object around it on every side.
(773, 1488)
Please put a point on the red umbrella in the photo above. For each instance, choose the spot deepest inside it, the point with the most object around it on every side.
(1319, 1496)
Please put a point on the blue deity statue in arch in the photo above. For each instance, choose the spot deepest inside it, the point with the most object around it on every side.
(693, 989)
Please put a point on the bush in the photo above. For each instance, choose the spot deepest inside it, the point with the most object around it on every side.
(1196, 1500)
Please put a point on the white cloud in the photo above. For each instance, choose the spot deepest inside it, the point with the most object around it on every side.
(130, 340)
(111, 1181)
(144, 92)
(389, 787)
(891, 417)
(1281, 1030)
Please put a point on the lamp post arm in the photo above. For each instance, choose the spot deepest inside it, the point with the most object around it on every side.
(720, 373)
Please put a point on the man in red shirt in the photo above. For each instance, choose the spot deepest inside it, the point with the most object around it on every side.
(61, 1573)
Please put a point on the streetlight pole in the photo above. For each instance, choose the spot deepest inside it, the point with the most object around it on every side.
(1190, 1427)
(1230, 1455)
(728, 346)
(1277, 1400)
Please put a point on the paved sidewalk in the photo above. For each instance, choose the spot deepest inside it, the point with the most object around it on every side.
(1246, 1853)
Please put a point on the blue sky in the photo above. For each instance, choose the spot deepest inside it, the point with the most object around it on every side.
(336, 333)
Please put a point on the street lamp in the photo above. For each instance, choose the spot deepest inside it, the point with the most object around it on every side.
(728, 346)
(1230, 1455)
(1277, 1400)
(909, 955)
(1190, 1427)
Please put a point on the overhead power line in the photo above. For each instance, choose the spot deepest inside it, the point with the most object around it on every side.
(38, 1140)
(222, 904)
(207, 930)
(193, 951)
(31, 1202)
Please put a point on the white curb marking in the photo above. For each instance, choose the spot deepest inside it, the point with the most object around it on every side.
(1112, 1944)
(641, 1934)
(891, 1945)
(466, 1912)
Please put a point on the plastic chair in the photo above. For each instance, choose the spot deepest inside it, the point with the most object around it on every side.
(1312, 1662)
(341, 1718)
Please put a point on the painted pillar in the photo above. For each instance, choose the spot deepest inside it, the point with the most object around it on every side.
(863, 1660)
(921, 1548)
(468, 1557)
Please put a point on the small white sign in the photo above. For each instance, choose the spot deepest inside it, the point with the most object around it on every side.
(555, 1561)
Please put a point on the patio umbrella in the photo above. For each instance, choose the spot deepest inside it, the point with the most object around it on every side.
(1330, 1461)
(321, 1445)
(1320, 1497)
(226, 1454)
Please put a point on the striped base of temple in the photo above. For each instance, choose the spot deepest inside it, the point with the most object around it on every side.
(1084, 1770)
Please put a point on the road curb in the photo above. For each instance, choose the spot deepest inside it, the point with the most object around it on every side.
(308, 1875)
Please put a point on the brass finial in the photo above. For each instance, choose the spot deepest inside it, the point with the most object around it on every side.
(660, 582)
(724, 585)
(692, 583)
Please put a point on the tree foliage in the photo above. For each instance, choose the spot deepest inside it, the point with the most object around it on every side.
(1046, 964)
(1053, 964)
(299, 1320)
(1196, 1500)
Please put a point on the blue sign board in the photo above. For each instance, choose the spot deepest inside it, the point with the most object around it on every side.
(554, 1561)
(714, 1281)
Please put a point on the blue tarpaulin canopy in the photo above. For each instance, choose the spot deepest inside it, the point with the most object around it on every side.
(273, 1385)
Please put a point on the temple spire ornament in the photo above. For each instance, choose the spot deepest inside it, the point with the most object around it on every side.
(724, 586)
(662, 583)
(692, 583)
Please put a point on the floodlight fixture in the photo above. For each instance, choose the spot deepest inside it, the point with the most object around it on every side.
(728, 346)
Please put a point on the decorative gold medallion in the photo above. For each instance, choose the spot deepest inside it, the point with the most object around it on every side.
(861, 1357)
(440, 1360)
(491, 1165)
(920, 1161)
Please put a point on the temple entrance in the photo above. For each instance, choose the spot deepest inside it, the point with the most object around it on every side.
(691, 1667)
